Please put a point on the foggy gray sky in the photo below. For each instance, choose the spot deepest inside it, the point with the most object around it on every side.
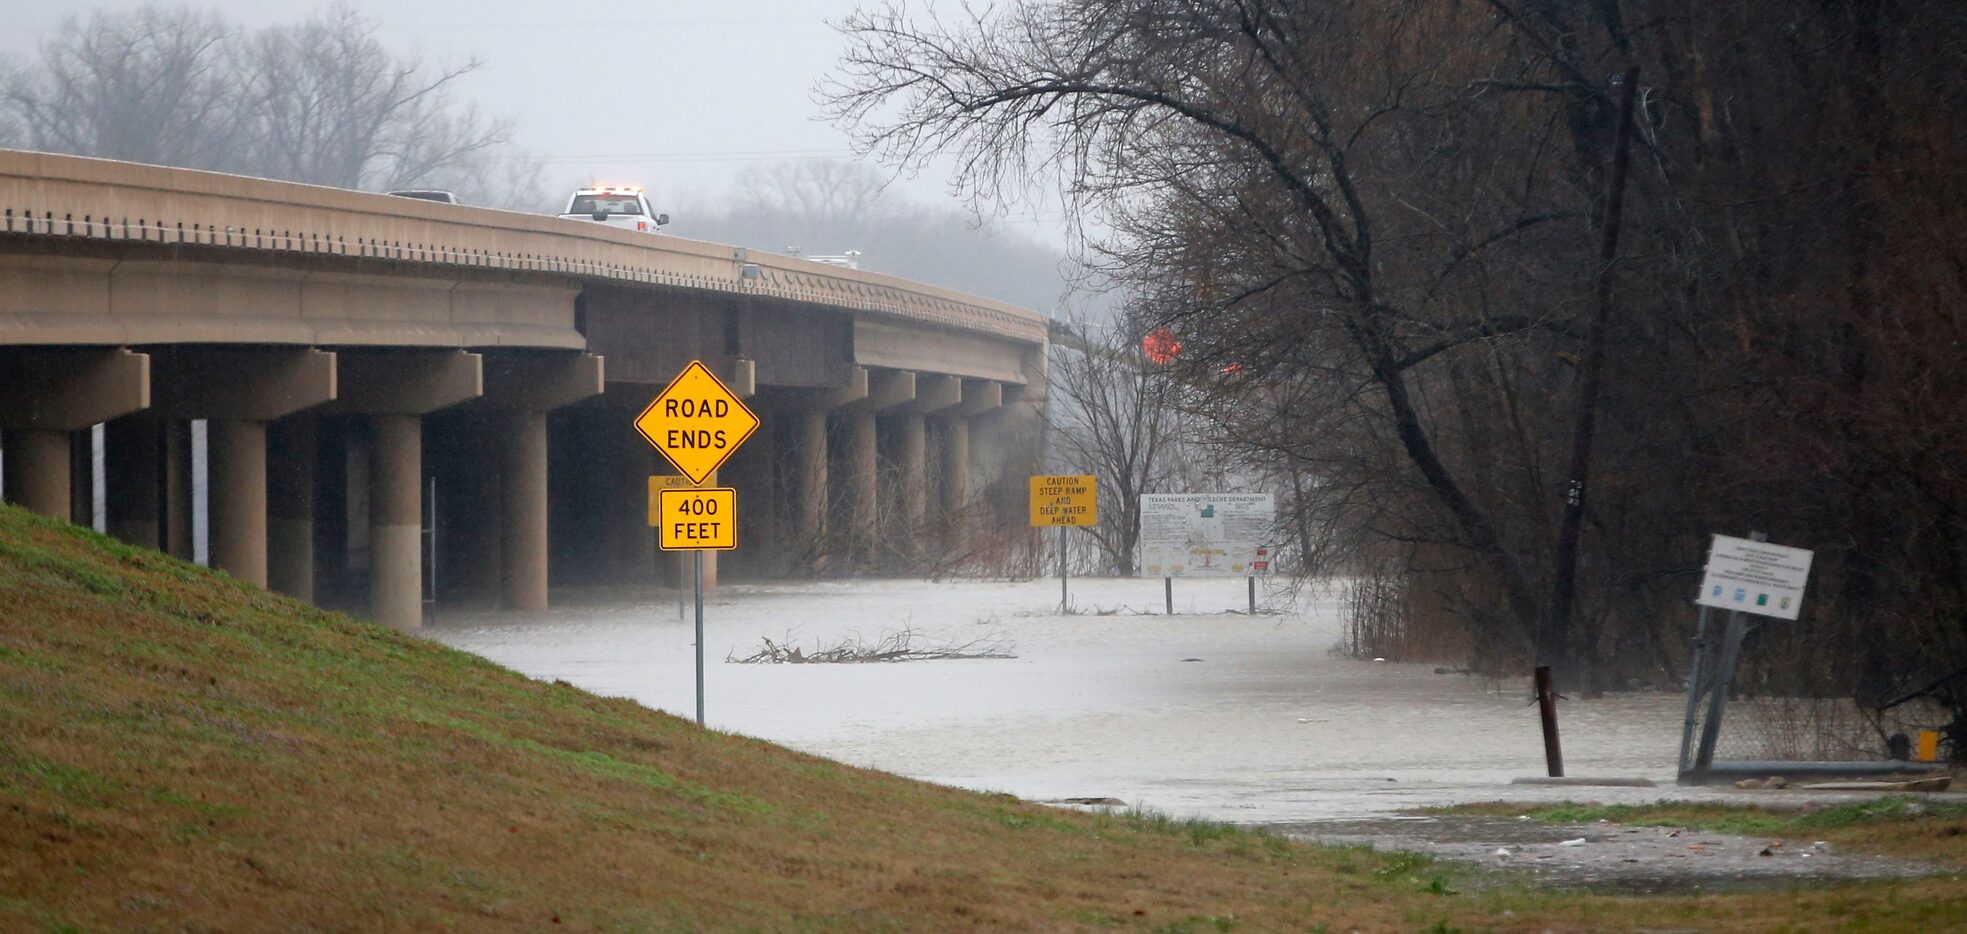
(677, 95)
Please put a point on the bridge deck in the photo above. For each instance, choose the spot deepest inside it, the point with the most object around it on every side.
(48, 199)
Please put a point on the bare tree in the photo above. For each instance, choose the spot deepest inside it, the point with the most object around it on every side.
(1115, 415)
(830, 193)
(148, 85)
(1391, 219)
(332, 106)
(1240, 150)
(320, 101)
(831, 206)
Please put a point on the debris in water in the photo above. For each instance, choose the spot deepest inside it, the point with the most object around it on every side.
(893, 647)
(1578, 842)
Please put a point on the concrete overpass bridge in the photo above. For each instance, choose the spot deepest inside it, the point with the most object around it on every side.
(369, 368)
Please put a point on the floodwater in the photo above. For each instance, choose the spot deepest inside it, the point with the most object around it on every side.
(1205, 713)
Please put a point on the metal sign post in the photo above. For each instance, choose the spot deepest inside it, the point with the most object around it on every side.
(698, 423)
(699, 555)
(1064, 501)
(1697, 674)
(1743, 576)
(697, 520)
(1063, 598)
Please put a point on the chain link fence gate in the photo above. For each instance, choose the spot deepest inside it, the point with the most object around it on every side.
(1764, 698)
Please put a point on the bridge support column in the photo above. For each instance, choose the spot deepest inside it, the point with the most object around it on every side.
(238, 391)
(955, 467)
(132, 468)
(519, 389)
(978, 397)
(37, 476)
(396, 389)
(238, 497)
(933, 394)
(914, 468)
(754, 471)
(522, 538)
(863, 459)
(292, 448)
(868, 394)
(396, 521)
(810, 451)
(48, 394)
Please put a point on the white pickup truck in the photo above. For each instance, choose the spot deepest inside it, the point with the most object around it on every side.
(621, 206)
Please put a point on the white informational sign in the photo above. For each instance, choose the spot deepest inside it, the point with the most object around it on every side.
(1206, 534)
(1755, 577)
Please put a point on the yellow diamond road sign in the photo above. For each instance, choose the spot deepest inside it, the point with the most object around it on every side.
(696, 422)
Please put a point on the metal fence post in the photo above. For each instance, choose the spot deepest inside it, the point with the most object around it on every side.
(1697, 675)
(1723, 678)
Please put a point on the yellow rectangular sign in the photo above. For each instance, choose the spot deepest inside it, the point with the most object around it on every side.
(1065, 500)
(697, 519)
(659, 483)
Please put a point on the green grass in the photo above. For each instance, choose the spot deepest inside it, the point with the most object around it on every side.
(181, 751)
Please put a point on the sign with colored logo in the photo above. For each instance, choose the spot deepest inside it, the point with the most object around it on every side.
(1071, 500)
(696, 422)
(697, 519)
(1755, 577)
(1206, 534)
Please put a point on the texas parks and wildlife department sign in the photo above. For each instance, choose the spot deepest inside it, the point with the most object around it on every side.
(1755, 577)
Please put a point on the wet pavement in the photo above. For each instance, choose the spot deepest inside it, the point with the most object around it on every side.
(1604, 856)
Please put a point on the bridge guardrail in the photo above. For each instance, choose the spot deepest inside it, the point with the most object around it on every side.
(49, 195)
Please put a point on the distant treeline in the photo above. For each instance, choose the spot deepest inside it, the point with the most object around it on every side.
(319, 101)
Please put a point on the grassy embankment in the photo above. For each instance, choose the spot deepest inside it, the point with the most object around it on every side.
(180, 751)
(1908, 827)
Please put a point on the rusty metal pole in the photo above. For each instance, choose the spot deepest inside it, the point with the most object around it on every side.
(1547, 711)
